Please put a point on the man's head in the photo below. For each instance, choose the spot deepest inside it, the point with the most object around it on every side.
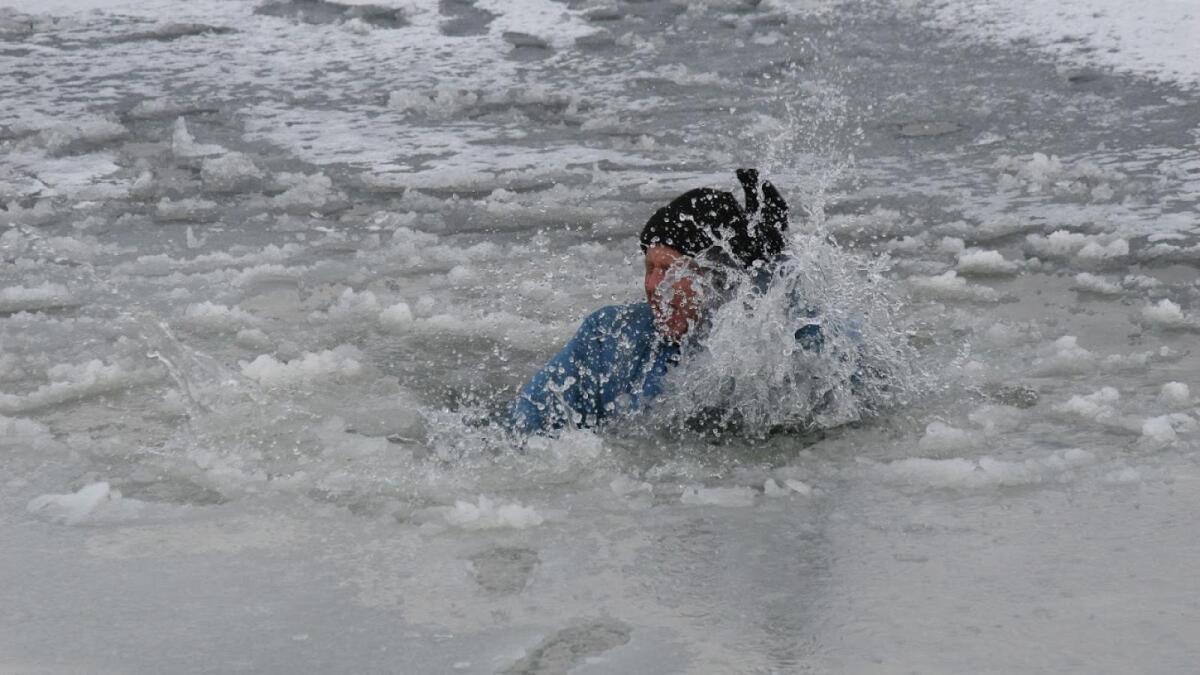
(711, 223)
(674, 291)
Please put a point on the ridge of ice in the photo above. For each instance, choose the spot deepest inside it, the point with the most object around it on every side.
(341, 362)
(486, 514)
(69, 382)
(950, 286)
(963, 473)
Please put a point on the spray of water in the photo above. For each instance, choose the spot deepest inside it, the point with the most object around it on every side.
(812, 340)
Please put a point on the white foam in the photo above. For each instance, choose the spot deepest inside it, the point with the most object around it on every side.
(1156, 39)
(342, 362)
(552, 22)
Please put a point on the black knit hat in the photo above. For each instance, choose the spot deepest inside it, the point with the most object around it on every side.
(699, 219)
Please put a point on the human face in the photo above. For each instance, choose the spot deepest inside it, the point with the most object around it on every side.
(673, 291)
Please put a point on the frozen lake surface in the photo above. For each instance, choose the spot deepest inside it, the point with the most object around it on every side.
(261, 264)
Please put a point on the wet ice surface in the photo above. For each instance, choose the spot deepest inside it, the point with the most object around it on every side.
(259, 262)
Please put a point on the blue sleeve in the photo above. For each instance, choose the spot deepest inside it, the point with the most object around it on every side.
(557, 395)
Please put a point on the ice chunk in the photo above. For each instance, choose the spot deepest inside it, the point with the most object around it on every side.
(442, 103)
(771, 488)
(1090, 283)
(305, 192)
(941, 438)
(39, 214)
(798, 486)
(351, 305)
(1157, 431)
(28, 298)
(187, 209)
(79, 136)
(74, 508)
(1140, 282)
(342, 444)
(486, 514)
(623, 485)
(1095, 406)
(18, 432)
(253, 338)
(69, 382)
(949, 286)
(397, 317)
(229, 173)
(1064, 357)
(1175, 395)
(1048, 173)
(985, 263)
(996, 418)
(185, 147)
(218, 318)
(718, 496)
(1166, 314)
(1094, 251)
(961, 473)
(1059, 244)
(342, 362)
(952, 245)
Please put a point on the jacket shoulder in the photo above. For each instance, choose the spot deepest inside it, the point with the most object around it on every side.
(618, 318)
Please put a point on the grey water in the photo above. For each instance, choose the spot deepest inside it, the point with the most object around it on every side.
(260, 261)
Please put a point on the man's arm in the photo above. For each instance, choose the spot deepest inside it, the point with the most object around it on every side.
(556, 395)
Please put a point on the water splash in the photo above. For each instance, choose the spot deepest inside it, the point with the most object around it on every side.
(814, 341)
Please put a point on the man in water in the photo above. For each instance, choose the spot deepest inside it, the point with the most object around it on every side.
(618, 358)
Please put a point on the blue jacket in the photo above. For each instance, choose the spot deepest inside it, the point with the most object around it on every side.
(615, 363)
